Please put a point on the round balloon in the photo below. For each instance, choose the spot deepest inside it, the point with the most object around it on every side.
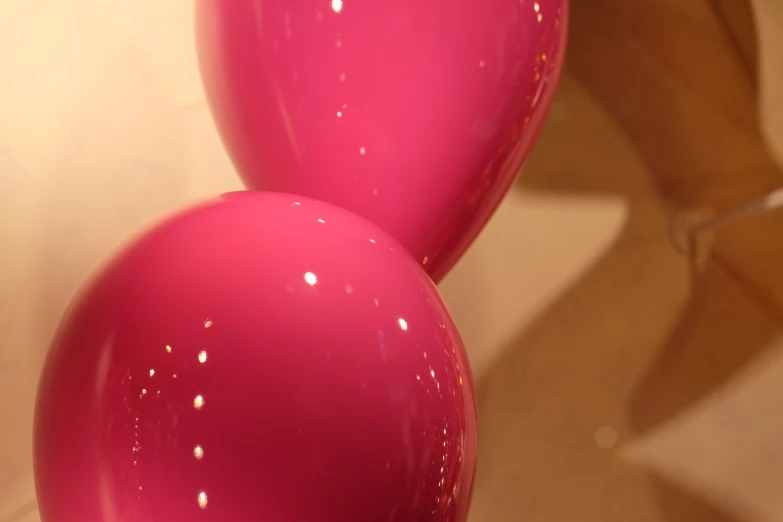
(257, 357)
(415, 115)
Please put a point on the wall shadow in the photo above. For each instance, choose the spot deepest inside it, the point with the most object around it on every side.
(662, 113)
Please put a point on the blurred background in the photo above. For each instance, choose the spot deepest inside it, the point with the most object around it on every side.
(617, 380)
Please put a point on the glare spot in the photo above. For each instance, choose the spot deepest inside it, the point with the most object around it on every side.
(418, 377)
(202, 357)
(337, 5)
(432, 373)
(202, 500)
(540, 17)
(321, 221)
(198, 452)
(144, 391)
(606, 437)
(403, 323)
(372, 241)
(310, 278)
(536, 7)
(339, 114)
(152, 372)
(362, 151)
(481, 63)
(198, 402)
(168, 348)
(207, 323)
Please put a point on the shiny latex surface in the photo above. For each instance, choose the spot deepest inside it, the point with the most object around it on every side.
(416, 115)
(257, 357)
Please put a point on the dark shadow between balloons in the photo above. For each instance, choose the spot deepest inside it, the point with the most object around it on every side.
(662, 104)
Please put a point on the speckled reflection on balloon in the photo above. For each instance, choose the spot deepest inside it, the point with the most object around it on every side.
(220, 384)
(415, 115)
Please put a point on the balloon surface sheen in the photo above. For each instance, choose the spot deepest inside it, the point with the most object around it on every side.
(257, 357)
(417, 115)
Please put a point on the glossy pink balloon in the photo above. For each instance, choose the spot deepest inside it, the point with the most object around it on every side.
(257, 357)
(415, 114)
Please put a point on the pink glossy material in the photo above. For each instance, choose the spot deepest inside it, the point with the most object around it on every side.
(415, 114)
(257, 357)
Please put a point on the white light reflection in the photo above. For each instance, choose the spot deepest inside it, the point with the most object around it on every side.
(198, 402)
(202, 500)
(202, 356)
(337, 5)
(198, 452)
(403, 323)
(310, 278)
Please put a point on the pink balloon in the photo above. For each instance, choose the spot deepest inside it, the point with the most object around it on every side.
(416, 115)
(257, 357)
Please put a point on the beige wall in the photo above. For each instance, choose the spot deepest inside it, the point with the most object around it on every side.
(571, 302)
